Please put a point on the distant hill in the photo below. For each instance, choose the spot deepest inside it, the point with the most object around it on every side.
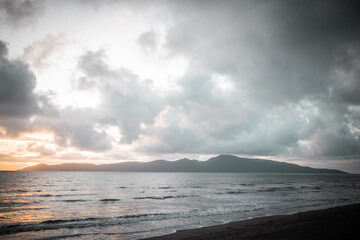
(221, 163)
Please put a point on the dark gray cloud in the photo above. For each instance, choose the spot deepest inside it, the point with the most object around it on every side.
(20, 12)
(327, 23)
(18, 102)
(270, 47)
(17, 98)
(294, 71)
(346, 74)
(20, 105)
(285, 41)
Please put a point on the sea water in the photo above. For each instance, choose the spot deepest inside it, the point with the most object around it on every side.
(117, 205)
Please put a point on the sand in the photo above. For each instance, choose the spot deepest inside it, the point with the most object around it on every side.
(334, 223)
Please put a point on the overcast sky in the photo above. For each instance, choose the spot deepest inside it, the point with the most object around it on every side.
(110, 81)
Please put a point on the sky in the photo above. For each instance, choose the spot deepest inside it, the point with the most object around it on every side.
(111, 81)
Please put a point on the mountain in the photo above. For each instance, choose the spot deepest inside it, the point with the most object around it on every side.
(63, 167)
(221, 163)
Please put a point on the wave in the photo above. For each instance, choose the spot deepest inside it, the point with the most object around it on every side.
(72, 223)
(14, 204)
(168, 187)
(155, 198)
(45, 195)
(232, 192)
(56, 221)
(64, 195)
(74, 200)
(142, 215)
(52, 195)
(109, 200)
(247, 184)
(164, 197)
(21, 208)
(275, 189)
(235, 192)
(20, 191)
(243, 191)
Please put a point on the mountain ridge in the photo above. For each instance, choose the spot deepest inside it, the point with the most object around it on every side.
(220, 163)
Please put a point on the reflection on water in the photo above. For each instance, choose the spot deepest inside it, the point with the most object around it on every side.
(113, 205)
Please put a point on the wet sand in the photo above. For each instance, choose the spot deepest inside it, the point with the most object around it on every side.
(334, 223)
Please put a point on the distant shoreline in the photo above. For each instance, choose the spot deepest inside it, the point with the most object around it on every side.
(292, 173)
(221, 163)
(333, 223)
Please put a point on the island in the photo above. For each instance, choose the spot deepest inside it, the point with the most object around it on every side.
(221, 163)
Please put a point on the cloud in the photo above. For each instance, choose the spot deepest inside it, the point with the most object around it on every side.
(18, 102)
(77, 128)
(283, 46)
(127, 101)
(20, 105)
(41, 149)
(39, 53)
(148, 41)
(17, 98)
(246, 41)
(9, 159)
(271, 78)
(93, 64)
(346, 74)
(20, 12)
(336, 143)
(293, 71)
(224, 128)
(21, 109)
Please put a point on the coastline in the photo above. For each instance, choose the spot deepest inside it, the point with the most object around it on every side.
(333, 223)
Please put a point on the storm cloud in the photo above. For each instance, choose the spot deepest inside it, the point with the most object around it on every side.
(18, 101)
(277, 78)
(17, 85)
(292, 75)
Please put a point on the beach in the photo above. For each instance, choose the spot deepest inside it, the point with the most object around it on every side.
(333, 223)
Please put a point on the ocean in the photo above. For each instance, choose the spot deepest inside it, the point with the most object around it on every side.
(118, 205)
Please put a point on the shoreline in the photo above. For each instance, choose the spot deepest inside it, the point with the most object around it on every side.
(339, 222)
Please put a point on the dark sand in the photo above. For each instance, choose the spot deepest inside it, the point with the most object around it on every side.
(334, 223)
